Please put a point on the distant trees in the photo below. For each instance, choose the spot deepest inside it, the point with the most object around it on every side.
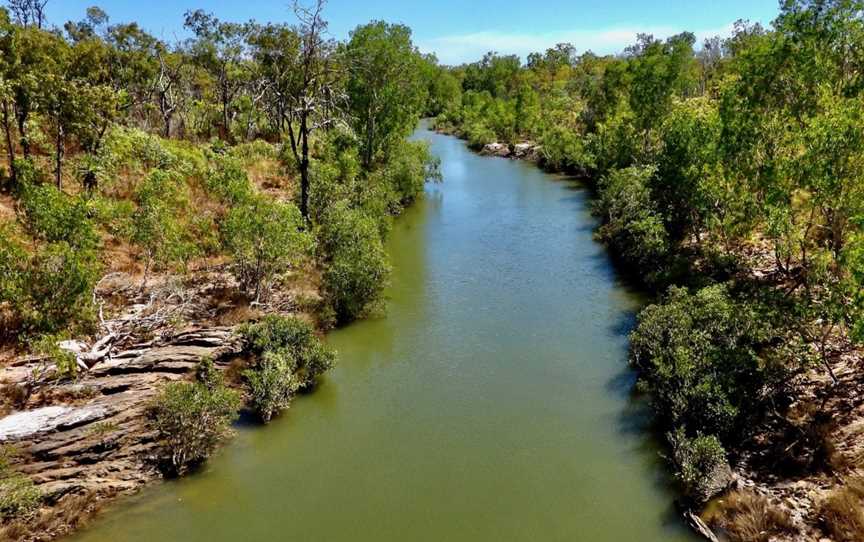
(28, 12)
(220, 48)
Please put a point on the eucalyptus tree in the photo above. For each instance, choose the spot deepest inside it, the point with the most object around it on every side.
(659, 71)
(134, 69)
(168, 88)
(35, 62)
(29, 12)
(7, 65)
(385, 86)
(219, 48)
(305, 92)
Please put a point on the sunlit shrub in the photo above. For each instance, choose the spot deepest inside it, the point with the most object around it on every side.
(700, 464)
(631, 224)
(698, 356)
(192, 418)
(265, 238)
(294, 340)
(270, 383)
(356, 267)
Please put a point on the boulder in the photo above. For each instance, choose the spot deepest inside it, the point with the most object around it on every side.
(20, 425)
(496, 149)
(524, 150)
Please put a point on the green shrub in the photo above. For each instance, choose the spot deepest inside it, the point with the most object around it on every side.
(139, 151)
(192, 418)
(228, 181)
(58, 287)
(614, 145)
(27, 175)
(271, 383)
(159, 222)
(686, 163)
(49, 290)
(409, 166)
(631, 224)
(295, 341)
(51, 215)
(65, 361)
(12, 271)
(335, 172)
(700, 464)
(253, 151)
(265, 239)
(18, 496)
(698, 356)
(478, 135)
(356, 268)
(563, 149)
(206, 373)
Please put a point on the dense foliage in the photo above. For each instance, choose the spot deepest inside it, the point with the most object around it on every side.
(733, 171)
(287, 357)
(113, 137)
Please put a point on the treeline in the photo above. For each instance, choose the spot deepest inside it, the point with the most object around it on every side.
(113, 137)
(730, 180)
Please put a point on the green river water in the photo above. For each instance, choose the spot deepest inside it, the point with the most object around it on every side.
(492, 403)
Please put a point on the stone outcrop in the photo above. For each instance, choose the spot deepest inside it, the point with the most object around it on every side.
(96, 441)
(526, 150)
(496, 149)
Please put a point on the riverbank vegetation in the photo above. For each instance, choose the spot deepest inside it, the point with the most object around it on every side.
(267, 157)
(729, 178)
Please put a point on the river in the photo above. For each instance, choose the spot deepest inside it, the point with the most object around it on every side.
(492, 403)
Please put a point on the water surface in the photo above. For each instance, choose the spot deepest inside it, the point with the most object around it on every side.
(490, 404)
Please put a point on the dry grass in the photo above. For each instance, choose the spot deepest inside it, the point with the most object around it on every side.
(747, 517)
(13, 396)
(842, 512)
(237, 315)
(269, 174)
(71, 513)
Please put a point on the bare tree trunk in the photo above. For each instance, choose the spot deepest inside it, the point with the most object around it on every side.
(10, 148)
(22, 133)
(368, 155)
(304, 169)
(58, 157)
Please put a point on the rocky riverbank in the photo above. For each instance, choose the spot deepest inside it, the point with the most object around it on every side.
(86, 440)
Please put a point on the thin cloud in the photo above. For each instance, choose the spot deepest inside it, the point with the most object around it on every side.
(457, 49)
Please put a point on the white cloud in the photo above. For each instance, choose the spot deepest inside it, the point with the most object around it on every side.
(456, 49)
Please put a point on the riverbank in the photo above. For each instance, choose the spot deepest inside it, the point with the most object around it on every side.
(795, 463)
(87, 441)
(75, 424)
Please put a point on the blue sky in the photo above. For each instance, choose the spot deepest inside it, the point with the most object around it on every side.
(462, 30)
